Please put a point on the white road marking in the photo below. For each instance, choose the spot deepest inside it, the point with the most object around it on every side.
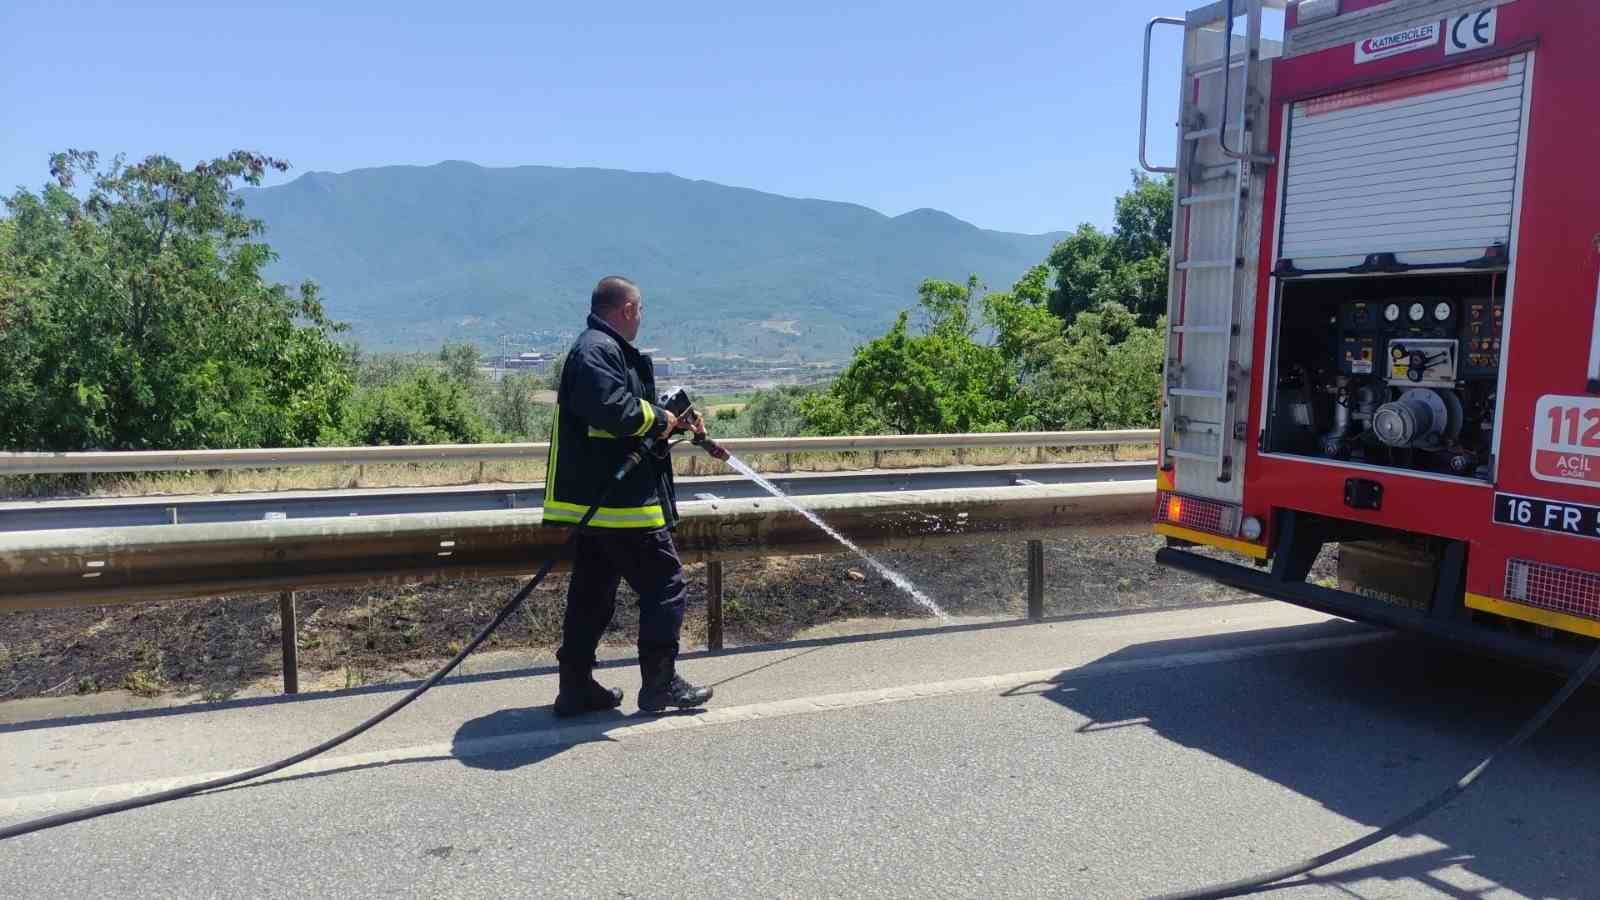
(561, 734)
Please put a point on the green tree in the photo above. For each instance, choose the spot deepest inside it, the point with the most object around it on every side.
(900, 383)
(461, 362)
(1101, 370)
(1104, 372)
(1021, 318)
(423, 407)
(517, 411)
(135, 315)
(1144, 218)
(459, 365)
(377, 369)
(947, 307)
(775, 412)
(552, 376)
(1081, 263)
(413, 398)
(1127, 267)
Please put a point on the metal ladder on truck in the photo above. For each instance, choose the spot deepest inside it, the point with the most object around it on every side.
(1216, 227)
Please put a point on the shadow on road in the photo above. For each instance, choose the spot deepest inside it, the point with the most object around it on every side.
(1369, 731)
(512, 738)
(500, 741)
(395, 687)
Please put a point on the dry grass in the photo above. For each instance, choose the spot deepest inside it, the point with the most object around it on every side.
(848, 461)
(307, 478)
(685, 462)
(213, 649)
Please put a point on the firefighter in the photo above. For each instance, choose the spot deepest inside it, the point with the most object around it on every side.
(604, 408)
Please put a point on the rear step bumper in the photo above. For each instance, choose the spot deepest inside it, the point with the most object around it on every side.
(1565, 655)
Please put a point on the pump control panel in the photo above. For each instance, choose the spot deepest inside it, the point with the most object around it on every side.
(1481, 338)
(1396, 379)
(1422, 362)
(1358, 345)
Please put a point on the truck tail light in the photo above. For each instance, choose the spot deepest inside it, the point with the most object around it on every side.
(1197, 513)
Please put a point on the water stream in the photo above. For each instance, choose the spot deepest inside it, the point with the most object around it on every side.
(894, 578)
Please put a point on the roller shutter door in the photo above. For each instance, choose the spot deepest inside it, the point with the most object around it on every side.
(1422, 167)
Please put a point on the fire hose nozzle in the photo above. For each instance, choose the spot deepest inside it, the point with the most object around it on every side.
(704, 442)
(677, 402)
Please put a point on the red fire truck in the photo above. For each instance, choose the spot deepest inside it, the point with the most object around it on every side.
(1384, 314)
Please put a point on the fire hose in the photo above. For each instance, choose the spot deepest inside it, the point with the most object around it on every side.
(677, 403)
(1249, 885)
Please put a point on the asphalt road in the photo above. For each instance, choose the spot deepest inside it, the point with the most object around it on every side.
(1117, 756)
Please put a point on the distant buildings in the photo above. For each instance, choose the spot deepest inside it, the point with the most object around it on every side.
(675, 366)
(524, 361)
(534, 361)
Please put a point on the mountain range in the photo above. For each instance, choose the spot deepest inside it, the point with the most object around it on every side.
(414, 256)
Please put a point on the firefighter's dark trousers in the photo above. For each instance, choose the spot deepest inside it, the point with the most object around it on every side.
(601, 560)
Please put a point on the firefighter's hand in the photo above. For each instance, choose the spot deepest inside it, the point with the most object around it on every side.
(697, 423)
(672, 423)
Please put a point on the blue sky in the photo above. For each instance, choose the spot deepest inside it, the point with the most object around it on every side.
(1018, 116)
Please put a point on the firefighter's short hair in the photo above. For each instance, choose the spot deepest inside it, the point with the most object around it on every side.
(611, 293)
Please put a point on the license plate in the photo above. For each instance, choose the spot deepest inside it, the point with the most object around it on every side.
(1547, 515)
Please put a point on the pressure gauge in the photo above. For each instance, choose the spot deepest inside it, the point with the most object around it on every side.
(1417, 311)
(1441, 312)
(1392, 312)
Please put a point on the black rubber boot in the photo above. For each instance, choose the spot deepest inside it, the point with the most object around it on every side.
(580, 693)
(663, 687)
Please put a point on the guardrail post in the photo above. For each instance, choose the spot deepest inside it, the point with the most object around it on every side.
(289, 622)
(1036, 580)
(877, 459)
(480, 472)
(714, 605)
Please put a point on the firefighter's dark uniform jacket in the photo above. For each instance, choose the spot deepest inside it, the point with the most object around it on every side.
(604, 407)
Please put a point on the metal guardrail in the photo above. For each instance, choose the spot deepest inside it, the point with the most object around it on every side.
(162, 510)
(99, 566)
(97, 462)
(80, 567)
